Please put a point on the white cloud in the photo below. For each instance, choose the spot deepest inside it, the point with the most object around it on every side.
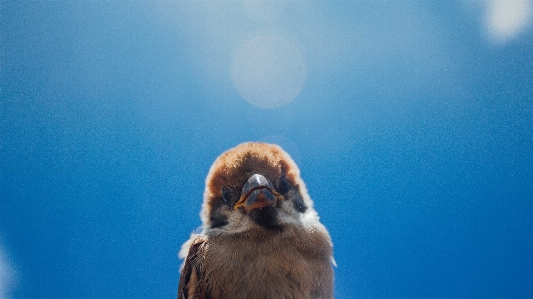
(505, 19)
(6, 276)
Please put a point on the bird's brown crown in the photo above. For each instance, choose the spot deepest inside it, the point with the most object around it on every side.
(234, 167)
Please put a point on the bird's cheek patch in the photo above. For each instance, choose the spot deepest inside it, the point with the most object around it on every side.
(217, 218)
(297, 201)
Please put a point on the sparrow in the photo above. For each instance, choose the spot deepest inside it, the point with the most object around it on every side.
(260, 236)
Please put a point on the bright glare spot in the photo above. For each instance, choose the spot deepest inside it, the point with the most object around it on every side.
(268, 71)
(507, 18)
(6, 276)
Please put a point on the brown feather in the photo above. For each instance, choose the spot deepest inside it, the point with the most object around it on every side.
(290, 264)
(191, 279)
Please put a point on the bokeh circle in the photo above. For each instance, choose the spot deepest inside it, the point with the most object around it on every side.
(268, 71)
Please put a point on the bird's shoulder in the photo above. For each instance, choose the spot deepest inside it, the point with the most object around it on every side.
(191, 282)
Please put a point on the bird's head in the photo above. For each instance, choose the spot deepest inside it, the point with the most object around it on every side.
(254, 186)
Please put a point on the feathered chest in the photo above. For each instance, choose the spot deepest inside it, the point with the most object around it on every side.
(269, 265)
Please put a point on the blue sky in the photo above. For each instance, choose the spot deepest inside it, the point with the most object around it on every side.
(411, 122)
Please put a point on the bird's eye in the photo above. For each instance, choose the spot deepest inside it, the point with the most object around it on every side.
(283, 185)
(225, 195)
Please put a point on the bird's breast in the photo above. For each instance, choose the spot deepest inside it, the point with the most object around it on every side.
(268, 266)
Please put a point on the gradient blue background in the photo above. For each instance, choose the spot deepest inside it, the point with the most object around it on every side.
(413, 132)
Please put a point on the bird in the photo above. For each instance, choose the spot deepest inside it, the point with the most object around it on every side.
(260, 235)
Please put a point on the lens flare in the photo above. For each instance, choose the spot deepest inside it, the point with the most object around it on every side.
(268, 71)
(507, 18)
(6, 276)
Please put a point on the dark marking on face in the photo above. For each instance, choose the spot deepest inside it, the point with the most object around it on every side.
(283, 185)
(217, 218)
(229, 195)
(266, 217)
(297, 201)
(226, 196)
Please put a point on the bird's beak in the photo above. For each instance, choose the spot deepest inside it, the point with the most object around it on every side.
(258, 192)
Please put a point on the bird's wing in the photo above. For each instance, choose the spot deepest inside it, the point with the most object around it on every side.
(192, 283)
